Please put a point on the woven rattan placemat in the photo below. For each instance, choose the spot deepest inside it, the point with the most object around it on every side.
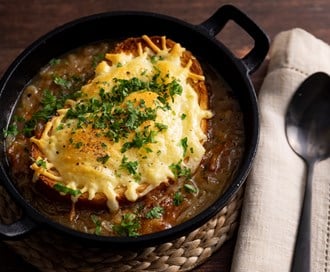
(50, 252)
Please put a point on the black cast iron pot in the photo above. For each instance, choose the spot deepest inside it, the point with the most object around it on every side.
(200, 39)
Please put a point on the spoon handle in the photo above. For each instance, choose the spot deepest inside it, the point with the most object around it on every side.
(302, 255)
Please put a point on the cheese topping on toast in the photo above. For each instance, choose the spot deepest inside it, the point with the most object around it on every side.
(138, 123)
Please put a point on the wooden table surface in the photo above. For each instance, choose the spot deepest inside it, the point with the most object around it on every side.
(21, 22)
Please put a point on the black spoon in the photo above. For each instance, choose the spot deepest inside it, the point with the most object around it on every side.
(307, 127)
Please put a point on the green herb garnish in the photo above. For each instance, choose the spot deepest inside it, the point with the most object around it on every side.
(41, 163)
(103, 159)
(190, 188)
(62, 81)
(140, 139)
(131, 167)
(178, 199)
(128, 226)
(97, 59)
(50, 104)
(175, 89)
(155, 212)
(54, 61)
(180, 171)
(11, 131)
(60, 127)
(184, 144)
(161, 126)
(98, 224)
(66, 190)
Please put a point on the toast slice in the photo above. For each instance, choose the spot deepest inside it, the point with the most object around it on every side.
(135, 46)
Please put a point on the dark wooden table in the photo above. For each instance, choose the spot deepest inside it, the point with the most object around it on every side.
(21, 22)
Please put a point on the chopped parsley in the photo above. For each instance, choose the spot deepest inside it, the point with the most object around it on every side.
(72, 83)
(54, 61)
(117, 118)
(128, 226)
(131, 167)
(41, 163)
(175, 89)
(180, 171)
(156, 58)
(178, 198)
(104, 145)
(97, 59)
(66, 190)
(140, 139)
(103, 159)
(60, 127)
(11, 131)
(184, 144)
(190, 188)
(49, 105)
(155, 213)
(161, 126)
(77, 145)
(63, 82)
(98, 224)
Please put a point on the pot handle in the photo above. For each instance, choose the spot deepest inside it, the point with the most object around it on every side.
(17, 229)
(218, 20)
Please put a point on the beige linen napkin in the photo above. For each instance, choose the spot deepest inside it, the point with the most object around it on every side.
(275, 187)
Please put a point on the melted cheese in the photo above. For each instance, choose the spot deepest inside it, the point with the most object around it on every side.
(83, 157)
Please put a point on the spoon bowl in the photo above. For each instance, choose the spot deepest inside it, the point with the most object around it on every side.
(308, 118)
(307, 127)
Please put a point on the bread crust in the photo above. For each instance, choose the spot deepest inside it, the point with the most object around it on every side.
(131, 45)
